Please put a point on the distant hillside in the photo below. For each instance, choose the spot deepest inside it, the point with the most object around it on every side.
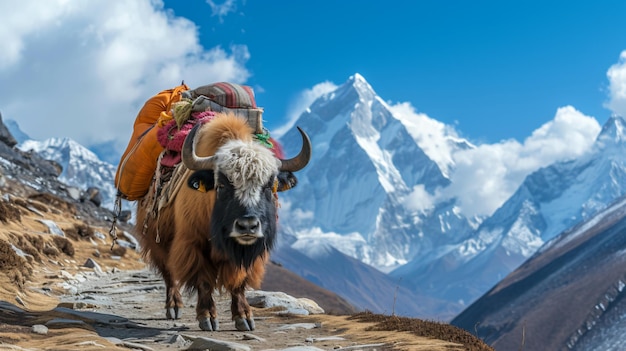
(568, 296)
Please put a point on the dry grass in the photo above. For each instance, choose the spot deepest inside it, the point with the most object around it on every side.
(428, 329)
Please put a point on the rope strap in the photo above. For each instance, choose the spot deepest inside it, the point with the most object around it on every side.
(117, 209)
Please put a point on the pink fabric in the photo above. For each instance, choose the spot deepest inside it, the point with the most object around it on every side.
(172, 138)
(277, 149)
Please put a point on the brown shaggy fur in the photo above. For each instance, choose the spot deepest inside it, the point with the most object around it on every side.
(183, 254)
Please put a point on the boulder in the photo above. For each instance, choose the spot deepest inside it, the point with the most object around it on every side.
(5, 135)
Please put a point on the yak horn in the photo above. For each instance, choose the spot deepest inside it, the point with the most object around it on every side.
(188, 153)
(302, 159)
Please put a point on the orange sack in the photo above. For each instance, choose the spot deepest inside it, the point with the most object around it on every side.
(139, 161)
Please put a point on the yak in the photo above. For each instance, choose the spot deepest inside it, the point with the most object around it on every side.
(213, 226)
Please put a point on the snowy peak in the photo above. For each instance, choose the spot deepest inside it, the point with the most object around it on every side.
(613, 131)
(64, 146)
(81, 167)
(361, 86)
(365, 168)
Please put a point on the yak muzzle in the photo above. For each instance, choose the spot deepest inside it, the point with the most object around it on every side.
(246, 230)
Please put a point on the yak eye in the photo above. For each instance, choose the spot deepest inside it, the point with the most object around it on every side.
(201, 181)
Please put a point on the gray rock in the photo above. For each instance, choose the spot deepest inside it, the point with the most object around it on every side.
(136, 346)
(100, 236)
(35, 211)
(90, 263)
(125, 216)
(39, 329)
(202, 343)
(266, 299)
(19, 251)
(74, 193)
(126, 244)
(5, 135)
(70, 289)
(178, 341)
(53, 228)
(100, 318)
(131, 238)
(302, 348)
(248, 336)
(92, 194)
(325, 338)
(299, 326)
(20, 301)
(67, 275)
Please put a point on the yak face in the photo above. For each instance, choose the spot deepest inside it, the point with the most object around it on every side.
(245, 176)
(243, 222)
(243, 232)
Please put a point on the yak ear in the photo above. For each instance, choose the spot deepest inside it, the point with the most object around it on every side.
(286, 180)
(203, 180)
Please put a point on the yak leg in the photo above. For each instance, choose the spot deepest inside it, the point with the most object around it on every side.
(242, 315)
(173, 299)
(206, 311)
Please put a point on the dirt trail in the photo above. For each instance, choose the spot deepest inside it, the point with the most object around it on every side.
(124, 309)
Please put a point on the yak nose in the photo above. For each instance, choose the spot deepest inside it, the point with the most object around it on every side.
(247, 225)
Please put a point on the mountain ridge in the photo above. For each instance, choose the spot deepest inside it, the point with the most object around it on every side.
(567, 296)
(550, 201)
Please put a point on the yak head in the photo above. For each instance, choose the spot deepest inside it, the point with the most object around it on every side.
(245, 176)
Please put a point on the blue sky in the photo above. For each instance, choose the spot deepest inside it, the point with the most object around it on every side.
(528, 83)
(495, 69)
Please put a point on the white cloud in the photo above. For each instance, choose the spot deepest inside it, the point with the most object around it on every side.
(83, 69)
(489, 174)
(432, 136)
(301, 103)
(419, 199)
(617, 86)
(223, 9)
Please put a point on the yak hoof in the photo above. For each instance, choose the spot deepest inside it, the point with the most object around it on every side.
(172, 313)
(244, 324)
(207, 324)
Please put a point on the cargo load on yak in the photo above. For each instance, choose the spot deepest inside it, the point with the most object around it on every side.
(165, 120)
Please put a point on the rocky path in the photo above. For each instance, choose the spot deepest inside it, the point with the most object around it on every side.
(126, 309)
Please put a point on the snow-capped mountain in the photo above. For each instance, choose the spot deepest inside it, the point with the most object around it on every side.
(81, 167)
(354, 192)
(549, 201)
(367, 161)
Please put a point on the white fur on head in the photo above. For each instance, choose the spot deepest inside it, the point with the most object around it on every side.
(248, 166)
